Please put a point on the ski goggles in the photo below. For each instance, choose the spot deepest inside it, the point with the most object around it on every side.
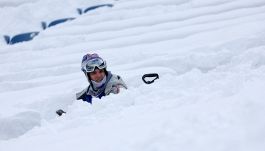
(91, 65)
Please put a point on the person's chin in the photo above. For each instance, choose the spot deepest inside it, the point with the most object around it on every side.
(98, 80)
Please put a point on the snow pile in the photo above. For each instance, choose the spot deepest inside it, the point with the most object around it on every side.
(209, 55)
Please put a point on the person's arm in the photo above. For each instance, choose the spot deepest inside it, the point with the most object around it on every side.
(114, 85)
(84, 96)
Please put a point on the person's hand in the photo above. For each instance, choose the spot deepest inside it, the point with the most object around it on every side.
(114, 85)
(115, 89)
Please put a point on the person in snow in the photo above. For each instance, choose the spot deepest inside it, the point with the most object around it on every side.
(101, 81)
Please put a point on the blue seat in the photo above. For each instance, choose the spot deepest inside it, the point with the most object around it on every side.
(20, 37)
(80, 11)
(55, 22)
(7, 39)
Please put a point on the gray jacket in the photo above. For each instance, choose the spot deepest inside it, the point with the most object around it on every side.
(112, 82)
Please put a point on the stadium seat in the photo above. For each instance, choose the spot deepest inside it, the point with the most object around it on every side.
(20, 37)
(80, 11)
(55, 22)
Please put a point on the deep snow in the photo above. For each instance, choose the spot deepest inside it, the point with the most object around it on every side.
(209, 55)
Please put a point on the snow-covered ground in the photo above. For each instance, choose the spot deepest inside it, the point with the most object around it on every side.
(210, 55)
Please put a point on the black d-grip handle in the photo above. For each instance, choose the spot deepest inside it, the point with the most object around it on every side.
(150, 75)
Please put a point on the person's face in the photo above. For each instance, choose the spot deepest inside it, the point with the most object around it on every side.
(97, 75)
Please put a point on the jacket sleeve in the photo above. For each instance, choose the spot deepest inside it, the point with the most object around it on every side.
(84, 96)
(114, 82)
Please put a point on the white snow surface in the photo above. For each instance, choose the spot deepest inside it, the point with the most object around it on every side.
(210, 55)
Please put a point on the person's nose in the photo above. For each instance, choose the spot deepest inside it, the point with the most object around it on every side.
(98, 74)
